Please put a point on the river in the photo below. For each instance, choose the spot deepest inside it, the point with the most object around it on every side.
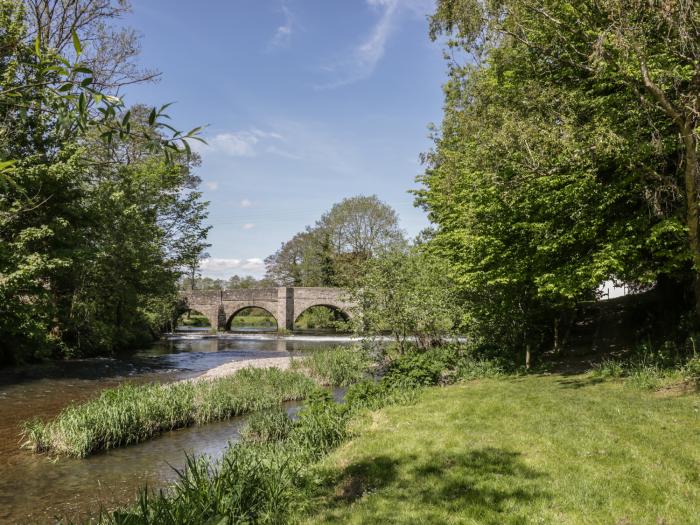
(35, 488)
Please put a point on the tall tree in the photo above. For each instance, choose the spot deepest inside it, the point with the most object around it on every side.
(332, 252)
(554, 169)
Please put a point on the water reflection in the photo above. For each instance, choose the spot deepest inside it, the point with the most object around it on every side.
(34, 488)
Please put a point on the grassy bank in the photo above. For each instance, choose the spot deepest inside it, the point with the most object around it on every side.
(530, 449)
(131, 414)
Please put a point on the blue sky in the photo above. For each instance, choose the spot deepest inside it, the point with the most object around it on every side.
(306, 102)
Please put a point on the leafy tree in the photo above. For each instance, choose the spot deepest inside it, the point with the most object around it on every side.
(555, 168)
(408, 293)
(91, 246)
(332, 252)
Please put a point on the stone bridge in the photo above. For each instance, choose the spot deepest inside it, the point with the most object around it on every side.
(285, 304)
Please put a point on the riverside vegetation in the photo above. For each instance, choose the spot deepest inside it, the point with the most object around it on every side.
(447, 435)
(131, 414)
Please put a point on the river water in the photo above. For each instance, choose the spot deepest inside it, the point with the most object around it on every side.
(35, 488)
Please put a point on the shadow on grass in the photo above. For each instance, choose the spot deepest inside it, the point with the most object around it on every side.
(488, 484)
(580, 382)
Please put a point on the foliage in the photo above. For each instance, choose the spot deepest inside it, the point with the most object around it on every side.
(258, 480)
(337, 366)
(130, 414)
(267, 426)
(557, 165)
(98, 204)
(332, 252)
(235, 282)
(322, 318)
(409, 294)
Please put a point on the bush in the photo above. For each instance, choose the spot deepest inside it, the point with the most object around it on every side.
(438, 366)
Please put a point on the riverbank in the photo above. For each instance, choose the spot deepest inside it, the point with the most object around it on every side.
(529, 449)
(281, 363)
(35, 488)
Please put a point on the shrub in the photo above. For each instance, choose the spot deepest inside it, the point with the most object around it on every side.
(438, 366)
(648, 368)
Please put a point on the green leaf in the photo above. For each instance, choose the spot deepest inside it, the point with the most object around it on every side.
(152, 117)
(76, 43)
(37, 46)
(6, 165)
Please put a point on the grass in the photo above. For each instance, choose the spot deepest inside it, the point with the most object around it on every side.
(130, 414)
(529, 449)
(337, 366)
(649, 369)
(261, 479)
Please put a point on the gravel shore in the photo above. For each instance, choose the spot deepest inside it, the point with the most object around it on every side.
(229, 368)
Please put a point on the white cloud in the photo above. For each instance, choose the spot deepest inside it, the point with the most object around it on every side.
(248, 226)
(212, 185)
(368, 53)
(245, 203)
(239, 143)
(283, 33)
(224, 268)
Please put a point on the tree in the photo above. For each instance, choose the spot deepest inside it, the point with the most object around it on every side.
(408, 293)
(332, 252)
(551, 171)
(91, 246)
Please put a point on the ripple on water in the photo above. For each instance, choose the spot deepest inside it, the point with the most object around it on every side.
(34, 488)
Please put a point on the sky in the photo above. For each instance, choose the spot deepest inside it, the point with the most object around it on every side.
(305, 102)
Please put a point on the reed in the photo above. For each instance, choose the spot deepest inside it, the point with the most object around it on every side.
(130, 414)
(336, 366)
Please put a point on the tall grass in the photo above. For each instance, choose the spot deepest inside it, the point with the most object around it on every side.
(648, 368)
(130, 414)
(259, 480)
(337, 366)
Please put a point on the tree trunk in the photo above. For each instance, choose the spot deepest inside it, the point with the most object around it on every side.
(527, 357)
(691, 192)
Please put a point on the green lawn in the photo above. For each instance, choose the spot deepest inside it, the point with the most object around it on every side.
(536, 449)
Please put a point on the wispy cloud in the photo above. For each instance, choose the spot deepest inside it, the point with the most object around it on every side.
(248, 226)
(238, 143)
(364, 57)
(283, 33)
(221, 268)
(246, 203)
(211, 185)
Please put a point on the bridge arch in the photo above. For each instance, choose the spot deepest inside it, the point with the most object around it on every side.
(322, 317)
(230, 317)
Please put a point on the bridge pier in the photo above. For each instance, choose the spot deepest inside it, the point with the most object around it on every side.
(285, 308)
